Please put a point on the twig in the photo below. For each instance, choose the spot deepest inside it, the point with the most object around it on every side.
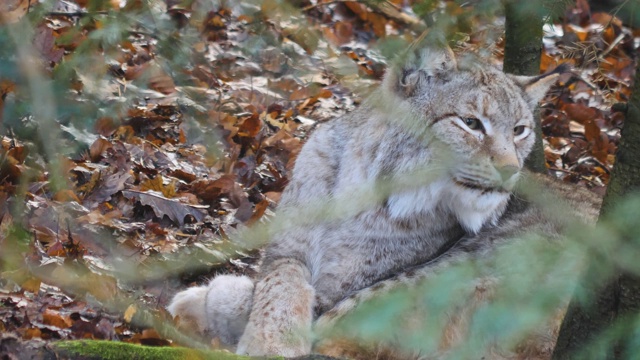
(76, 13)
(612, 46)
(563, 170)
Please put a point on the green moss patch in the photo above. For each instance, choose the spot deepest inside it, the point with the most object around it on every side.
(112, 350)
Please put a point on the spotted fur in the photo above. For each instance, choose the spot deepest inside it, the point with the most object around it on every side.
(522, 217)
(430, 158)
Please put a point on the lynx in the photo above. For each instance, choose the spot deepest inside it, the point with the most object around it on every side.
(522, 219)
(423, 170)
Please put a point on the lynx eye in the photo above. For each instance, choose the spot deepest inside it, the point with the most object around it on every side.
(473, 123)
(519, 130)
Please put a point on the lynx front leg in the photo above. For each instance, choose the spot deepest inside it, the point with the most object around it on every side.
(282, 313)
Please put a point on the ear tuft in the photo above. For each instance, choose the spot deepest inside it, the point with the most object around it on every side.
(535, 87)
(416, 68)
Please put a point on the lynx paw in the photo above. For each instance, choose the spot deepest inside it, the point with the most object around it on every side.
(227, 305)
(220, 309)
(187, 308)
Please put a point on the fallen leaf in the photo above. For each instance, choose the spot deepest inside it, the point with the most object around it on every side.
(157, 184)
(259, 210)
(55, 318)
(173, 209)
(44, 42)
(128, 314)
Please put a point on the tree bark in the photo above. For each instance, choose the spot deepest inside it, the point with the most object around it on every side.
(522, 51)
(618, 298)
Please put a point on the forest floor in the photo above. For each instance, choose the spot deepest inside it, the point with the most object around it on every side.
(147, 193)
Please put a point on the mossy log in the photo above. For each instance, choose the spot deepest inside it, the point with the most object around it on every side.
(11, 347)
(114, 350)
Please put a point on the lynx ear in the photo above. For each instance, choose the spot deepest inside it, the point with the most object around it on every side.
(418, 68)
(535, 87)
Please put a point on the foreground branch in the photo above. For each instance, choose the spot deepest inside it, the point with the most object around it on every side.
(614, 304)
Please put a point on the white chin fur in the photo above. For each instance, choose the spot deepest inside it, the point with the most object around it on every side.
(472, 208)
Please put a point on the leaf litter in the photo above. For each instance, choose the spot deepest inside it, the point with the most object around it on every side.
(183, 160)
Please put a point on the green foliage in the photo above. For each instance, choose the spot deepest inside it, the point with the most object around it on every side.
(109, 350)
(106, 65)
(529, 280)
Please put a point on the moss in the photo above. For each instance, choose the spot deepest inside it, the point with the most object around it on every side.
(112, 350)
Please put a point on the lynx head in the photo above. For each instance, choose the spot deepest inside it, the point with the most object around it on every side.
(482, 116)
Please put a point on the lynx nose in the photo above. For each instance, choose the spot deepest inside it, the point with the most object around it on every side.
(506, 172)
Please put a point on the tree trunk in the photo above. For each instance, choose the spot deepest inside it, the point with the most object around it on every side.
(522, 50)
(619, 298)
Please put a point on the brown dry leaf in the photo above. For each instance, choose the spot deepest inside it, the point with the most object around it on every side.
(609, 34)
(97, 217)
(572, 155)
(343, 31)
(44, 42)
(329, 35)
(285, 85)
(128, 314)
(250, 127)
(13, 10)
(227, 121)
(173, 209)
(310, 91)
(32, 284)
(109, 185)
(358, 9)
(32, 333)
(582, 34)
(14, 149)
(211, 190)
(183, 175)
(56, 249)
(601, 148)
(88, 186)
(55, 318)
(157, 184)
(259, 210)
(273, 196)
(581, 113)
(10, 169)
(98, 148)
(162, 83)
(65, 195)
(325, 93)
(591, 131)
(124, 133)
(105, 126)
(605, 19)
(378, 24)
